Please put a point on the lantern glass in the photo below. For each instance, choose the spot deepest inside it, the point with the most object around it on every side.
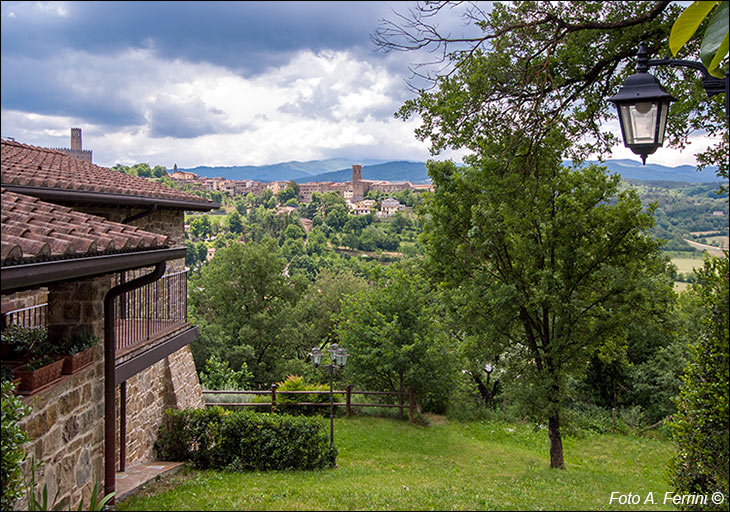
(316, 356)
(341, 357)
(332, 349)
(639, 122)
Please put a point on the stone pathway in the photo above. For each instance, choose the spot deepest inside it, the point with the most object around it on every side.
(128, 482)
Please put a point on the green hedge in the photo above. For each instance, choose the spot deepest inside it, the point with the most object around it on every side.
(214, 438)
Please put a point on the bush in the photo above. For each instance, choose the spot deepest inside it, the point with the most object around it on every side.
(296, 383)
(13, 439)
(214, 438)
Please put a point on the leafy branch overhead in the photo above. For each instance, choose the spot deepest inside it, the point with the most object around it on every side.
(714, 47)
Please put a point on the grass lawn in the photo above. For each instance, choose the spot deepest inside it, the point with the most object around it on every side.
(385, 464)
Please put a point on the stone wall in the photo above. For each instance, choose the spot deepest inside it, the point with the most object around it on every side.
(169, 383)
(66, 423)
(66, 428)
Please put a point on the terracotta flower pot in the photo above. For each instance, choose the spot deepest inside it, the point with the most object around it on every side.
(33, 380)
(75, 362)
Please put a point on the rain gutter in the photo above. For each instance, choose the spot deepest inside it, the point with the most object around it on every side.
(82, 196)
(32, 275)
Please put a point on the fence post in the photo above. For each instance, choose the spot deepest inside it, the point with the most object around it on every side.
(400, 402)
(410, 405)
(273, 398)
(348, 389)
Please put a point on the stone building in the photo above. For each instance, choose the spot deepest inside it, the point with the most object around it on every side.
(76, 151)
(98, 250)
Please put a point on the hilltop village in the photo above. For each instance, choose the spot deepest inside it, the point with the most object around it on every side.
(353, 192)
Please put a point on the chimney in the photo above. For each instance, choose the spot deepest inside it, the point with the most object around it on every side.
(76, 139)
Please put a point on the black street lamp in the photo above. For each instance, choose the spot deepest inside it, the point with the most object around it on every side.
(338, 357)
(643, 103)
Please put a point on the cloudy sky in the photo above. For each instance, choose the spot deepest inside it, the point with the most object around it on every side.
(213, 83)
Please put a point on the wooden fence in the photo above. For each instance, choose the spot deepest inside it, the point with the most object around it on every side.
(348, 392)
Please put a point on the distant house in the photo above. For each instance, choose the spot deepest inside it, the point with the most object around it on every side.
(390, 206)
(88, 248)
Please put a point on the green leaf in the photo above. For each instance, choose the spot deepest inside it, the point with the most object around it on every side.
(687, 24)
(715, 42)
(714, 67)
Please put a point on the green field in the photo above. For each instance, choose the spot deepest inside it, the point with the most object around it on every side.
(687, 265)
(385, 464)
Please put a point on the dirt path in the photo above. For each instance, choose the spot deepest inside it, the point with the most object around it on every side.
(714, 251)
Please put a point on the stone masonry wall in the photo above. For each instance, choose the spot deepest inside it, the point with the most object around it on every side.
(170, 383)
(66, 423)
(66, 428)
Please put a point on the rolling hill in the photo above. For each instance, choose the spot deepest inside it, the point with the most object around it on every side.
(340, 170)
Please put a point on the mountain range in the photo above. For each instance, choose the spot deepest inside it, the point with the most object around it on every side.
(340, 170)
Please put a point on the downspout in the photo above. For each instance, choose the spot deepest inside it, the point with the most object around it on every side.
(109, 365)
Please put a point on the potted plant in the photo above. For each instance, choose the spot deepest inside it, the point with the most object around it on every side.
(39, 373)
(78, 351)
(21, 343)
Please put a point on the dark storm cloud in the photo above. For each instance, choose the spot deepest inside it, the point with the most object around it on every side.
(248, 37)
(31, 85)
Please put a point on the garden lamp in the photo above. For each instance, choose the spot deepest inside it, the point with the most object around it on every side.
(642, 103)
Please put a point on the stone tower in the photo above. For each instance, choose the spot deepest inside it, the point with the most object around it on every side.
(358, 189)
(75, 139)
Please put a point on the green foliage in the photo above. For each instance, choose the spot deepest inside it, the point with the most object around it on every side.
(701, 427)
(244, 440)
(394, 338)
(297, 383)
(31, 340)
(39, 362)
(544, 265)
(77, 342)
(200, 227)
(242, 302)
(218, 375)
(13, 452)
(714, 47)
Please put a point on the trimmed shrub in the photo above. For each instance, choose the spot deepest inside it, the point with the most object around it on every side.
(215, 438)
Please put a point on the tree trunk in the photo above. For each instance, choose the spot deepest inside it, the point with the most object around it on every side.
(556, 442)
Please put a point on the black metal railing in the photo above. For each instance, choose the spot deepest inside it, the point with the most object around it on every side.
(32, 316)
(148, 311)
(141, 314)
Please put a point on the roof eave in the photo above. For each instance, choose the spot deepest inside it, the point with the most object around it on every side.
(33, 275)
(82, 196)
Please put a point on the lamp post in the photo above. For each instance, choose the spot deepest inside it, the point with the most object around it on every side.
(643, 103)
(338, 359)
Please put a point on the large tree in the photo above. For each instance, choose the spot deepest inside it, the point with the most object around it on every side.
(243, 303)
(545, 264)
(531, 66)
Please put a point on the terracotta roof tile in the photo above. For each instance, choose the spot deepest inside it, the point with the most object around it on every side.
(33, 229)
(35, 166)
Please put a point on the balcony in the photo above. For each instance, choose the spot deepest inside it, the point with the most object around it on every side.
(143, 316)
(151, 312)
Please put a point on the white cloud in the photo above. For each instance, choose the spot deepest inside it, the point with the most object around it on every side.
(316, 106)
